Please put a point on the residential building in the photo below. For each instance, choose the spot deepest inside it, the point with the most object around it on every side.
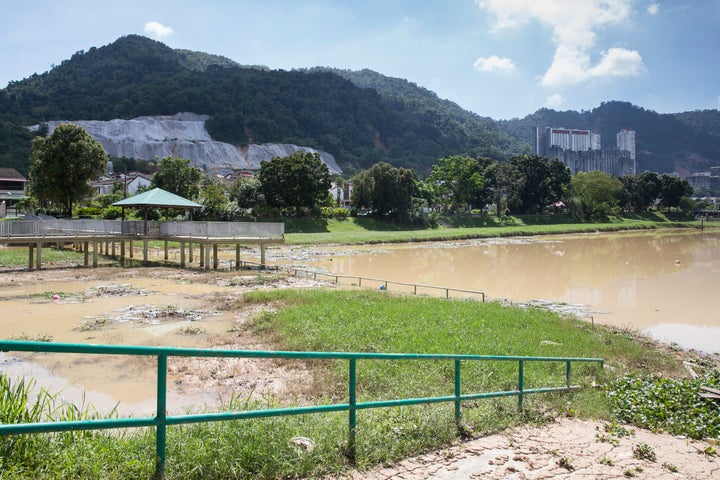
(706, 183)
(580, 150)
(341, 194)
(12, 189)
(130, 182)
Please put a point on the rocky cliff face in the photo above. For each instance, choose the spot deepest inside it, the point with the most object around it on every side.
(183, 135)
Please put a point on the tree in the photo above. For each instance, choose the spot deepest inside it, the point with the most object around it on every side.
(177, 176)
(245, 191)
(63, 164)
(363, 186)
(594, 193)
(534, 187)
(559, 181)
(300, 180)
(460, 183)
(502, 178)
(672, 189)
(214, 201)
(641, 190)
(392, 192)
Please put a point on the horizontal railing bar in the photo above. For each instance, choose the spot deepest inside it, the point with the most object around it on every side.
(34, 346)
(66, 426)
(273, 412)
(334, 275)
(105, 424)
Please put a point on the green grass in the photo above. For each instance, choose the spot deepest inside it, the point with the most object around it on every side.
(18, 258)
(354, 320)
(367, 230)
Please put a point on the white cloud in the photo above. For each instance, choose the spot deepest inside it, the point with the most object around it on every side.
(618, 62)
(654, 8)
(573, 24)
(157, 29)
(554, 101)
(494, 64)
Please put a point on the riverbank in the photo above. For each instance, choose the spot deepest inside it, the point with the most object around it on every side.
(360, 230)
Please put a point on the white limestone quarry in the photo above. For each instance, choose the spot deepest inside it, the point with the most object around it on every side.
(182, 135)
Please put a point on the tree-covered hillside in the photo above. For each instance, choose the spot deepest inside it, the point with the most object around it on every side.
(136, 76)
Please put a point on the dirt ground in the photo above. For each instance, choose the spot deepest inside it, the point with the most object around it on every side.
(569, 448)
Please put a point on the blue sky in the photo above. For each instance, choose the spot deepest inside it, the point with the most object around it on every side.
(498, 58)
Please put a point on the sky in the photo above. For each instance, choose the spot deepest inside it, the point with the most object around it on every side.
(498, 58)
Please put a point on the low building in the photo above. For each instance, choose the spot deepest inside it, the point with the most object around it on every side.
(341, 194)
(130, 183)
(13, 187)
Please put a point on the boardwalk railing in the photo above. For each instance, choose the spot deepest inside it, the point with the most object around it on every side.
(162, 420)
(414, 288)
(100, 228)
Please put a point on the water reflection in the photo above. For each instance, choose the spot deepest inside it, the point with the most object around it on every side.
(639, 280)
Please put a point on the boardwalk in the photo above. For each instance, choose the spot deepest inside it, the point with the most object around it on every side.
(90, 236)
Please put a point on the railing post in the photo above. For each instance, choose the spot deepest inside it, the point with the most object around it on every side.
(567, 374)
(352, 403)
(458, 414)
(161, 416)
(521, 384)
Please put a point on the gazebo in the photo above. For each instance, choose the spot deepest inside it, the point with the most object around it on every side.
(156, 198)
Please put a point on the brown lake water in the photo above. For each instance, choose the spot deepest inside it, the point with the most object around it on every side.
(662, 283)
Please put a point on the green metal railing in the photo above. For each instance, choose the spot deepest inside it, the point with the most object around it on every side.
(162, 420)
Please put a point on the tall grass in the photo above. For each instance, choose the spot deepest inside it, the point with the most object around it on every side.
(370, 321)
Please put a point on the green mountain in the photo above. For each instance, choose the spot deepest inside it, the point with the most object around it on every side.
(360, 117)
(136, 76)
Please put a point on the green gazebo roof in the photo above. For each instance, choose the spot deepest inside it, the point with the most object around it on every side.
(157, 198)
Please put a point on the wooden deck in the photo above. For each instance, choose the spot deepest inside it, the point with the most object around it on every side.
(118, 239)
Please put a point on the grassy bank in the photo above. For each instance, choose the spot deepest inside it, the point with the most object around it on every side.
(331, 320)
(368, 230)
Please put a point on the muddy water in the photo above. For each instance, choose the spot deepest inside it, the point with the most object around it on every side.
(138, 311)
(662, 283)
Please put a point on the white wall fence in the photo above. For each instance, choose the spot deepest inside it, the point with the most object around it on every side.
(99, 228)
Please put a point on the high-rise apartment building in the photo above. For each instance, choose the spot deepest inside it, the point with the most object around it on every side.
(580, 150)
(626, 143)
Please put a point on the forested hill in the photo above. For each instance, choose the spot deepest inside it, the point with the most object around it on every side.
(136, 76)
(360, 117)
(682, 143)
